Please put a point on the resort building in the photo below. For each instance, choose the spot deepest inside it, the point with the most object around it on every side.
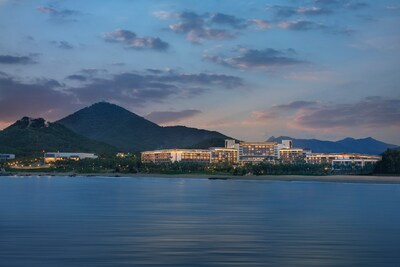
(358, 163)
(51, 157)
(6, 157)
(320, 158)
(291, 155)
(223, 155)
(254, 152)
(233, 152)
(176, 155)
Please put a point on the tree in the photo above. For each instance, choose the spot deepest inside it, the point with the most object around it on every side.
(390, 163)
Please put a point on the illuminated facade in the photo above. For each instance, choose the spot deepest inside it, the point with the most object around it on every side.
(291, 155)
(51, 157)
(226, 155)
(244, 152)
(356, 163)
(257, 151)
(176, 155)
(320, 158)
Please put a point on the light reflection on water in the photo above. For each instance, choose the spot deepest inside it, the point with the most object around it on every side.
(177, 222)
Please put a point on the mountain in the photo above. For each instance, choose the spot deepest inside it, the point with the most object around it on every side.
(207, 143)
(119, 127)
(33, 136)
(366, 145)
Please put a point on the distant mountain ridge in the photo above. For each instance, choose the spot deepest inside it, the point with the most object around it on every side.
(29, 136)
(127, 131)
(105, 128)
(367, 145)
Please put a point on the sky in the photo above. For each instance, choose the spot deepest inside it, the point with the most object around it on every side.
(325, 69)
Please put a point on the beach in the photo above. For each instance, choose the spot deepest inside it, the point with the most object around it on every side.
(312, 178)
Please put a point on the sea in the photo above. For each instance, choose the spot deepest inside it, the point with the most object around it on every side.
(100, 221)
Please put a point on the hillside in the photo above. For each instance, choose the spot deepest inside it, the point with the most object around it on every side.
(119, 127)
(33, 136)
(351, 145)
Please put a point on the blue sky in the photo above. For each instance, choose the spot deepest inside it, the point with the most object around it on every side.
(250, 69)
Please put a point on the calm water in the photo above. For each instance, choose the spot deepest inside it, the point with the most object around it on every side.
(176, 222)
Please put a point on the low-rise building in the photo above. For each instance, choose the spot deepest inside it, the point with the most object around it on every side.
(176, 155)
(51, 157)
(320, 158)
(291, 155)
(7, 157)
(224, 155)
(346, 164)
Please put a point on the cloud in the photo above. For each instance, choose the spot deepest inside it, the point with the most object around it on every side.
(87, 74)
(38, 98)
(264, 115)
(316, 8)
(260, 117)
(253, 58)
(356, 6)
(234, 22)
(62, 44)
(198, 27)
(58, 12)
(393, 8)
(276, 113)
(93, 71)
(141, 88)
(300, 25)
(306, 25)
(313, 10)
(51, 99)
(368, 113)
(295, 105)
(131, 40)
(342, 4)
(163, 117)
(22, 60)
(65, 14)
(77, 77)
(289, 11)
(260, 23)
(165, 14)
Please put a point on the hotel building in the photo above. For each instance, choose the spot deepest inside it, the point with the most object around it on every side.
(357, 163)
(253, 152)
(319, 158)
(291, 155)
(51, 157)
(223, 155)
(176, 155)
(256, 152)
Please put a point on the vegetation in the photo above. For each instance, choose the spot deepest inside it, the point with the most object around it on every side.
(134, 165)
(29, 137)
(390, 163)
(100, 165)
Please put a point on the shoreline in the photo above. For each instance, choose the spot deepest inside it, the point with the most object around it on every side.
(289, 178)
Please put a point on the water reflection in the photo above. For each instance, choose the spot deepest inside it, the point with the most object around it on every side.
(176, 222)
